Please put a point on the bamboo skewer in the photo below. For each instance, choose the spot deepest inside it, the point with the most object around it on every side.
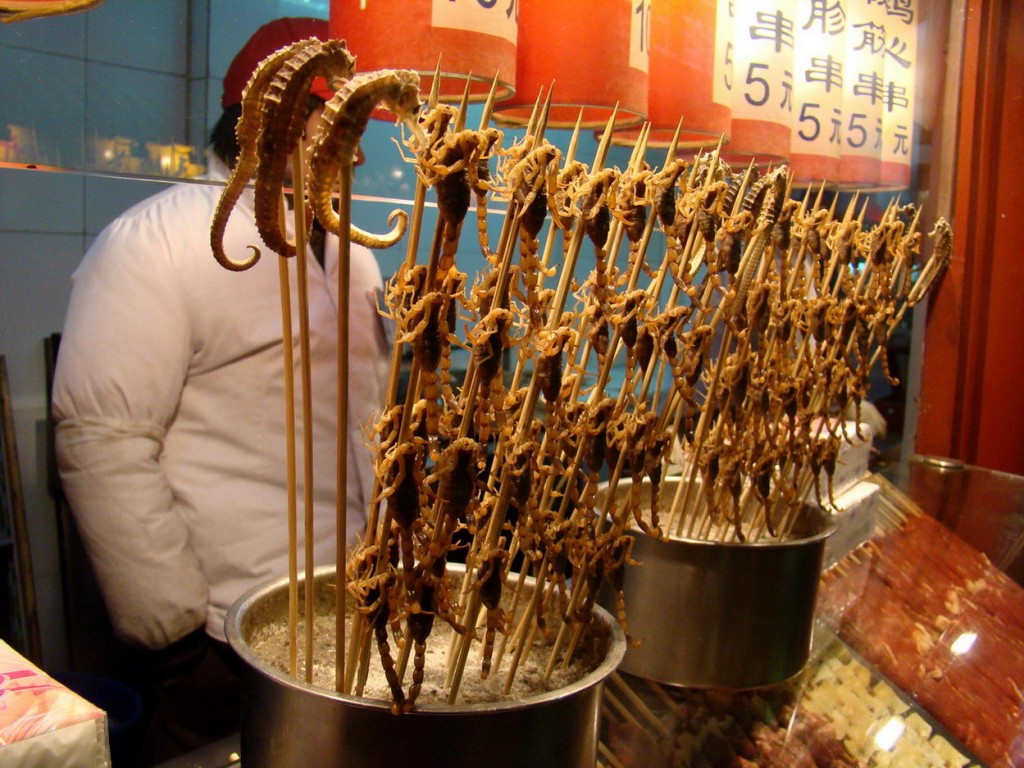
(290, 464)
(344, 289)
(302, 286)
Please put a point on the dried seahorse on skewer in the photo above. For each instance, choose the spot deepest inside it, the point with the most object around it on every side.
(284, 123)
(22, 10)
(247, 131)
(342, 126)
(936, 266)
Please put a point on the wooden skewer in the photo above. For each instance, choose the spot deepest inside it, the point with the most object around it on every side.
(290, 464)
(344, 290)
(305, 363)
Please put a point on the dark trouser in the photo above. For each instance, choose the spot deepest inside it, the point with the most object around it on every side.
(194, 695)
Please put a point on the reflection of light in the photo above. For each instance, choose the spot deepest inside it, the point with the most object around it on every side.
(396, 174)
(963, 643)
(889, 734)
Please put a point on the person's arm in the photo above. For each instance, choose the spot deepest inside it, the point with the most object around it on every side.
(122, 362)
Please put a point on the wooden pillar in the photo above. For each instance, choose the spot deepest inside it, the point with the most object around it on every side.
(972, 398)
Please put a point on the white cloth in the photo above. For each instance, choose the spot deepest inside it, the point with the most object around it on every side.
(170, 411)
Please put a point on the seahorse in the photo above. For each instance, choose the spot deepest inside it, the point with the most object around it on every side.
(343, 124)
(247, 131)
(284, 110)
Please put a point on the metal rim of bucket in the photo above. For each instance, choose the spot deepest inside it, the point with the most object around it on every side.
(614, 653)
(826, 523)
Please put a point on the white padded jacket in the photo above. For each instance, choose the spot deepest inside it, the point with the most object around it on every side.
(170, 411)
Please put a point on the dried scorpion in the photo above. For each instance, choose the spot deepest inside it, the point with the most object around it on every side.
(456, 164)
(490, 578)
(531, 181)
(375, 600)
(489, 340)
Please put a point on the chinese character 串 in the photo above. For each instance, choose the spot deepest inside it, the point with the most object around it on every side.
(774, 27)
(869, 84)
(825, 70)
(896, 96)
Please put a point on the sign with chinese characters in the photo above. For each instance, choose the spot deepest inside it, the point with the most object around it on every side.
(826, 84)
(762, 83)
(900, 53)
(816, 141)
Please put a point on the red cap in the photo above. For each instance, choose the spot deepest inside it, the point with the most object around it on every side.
(271, 37)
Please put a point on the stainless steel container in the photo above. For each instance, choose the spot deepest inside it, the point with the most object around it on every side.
(286, 722)
(714, 615)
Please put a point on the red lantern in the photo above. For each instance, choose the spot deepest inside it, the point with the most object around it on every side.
(816, 141)
(593, 53)
(898, 102)
(762, 80)
(863, 93)
(472, 40)
(682, 66)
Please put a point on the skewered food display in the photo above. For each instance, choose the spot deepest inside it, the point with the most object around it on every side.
(941, 622)
(742, 320)
(839, 712)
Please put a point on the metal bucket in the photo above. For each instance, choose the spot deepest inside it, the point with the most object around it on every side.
(722, 615)
(286, 722)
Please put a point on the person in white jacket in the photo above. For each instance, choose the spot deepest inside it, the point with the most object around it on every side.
(170, 417)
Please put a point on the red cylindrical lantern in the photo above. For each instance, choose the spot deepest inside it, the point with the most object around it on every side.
(816, 140)
(592, 53)
(762, 80)
(863, 94)
(682, 66)
(898, 103)
(471, 40)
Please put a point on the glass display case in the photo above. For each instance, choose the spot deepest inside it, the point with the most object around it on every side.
(916, 661)
(917, 658)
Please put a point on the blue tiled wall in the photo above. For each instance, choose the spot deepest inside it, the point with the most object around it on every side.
(148, 72)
